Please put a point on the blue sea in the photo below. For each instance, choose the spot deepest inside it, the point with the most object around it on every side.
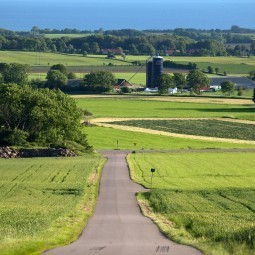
(112, 14)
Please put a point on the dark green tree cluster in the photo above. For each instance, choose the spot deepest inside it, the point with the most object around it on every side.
(179, 81)
(227, 87)
(39, 116)
(183, 41)
(57, 76)
(13, 73)
(164, 82)
(197, 81)
(98, 82)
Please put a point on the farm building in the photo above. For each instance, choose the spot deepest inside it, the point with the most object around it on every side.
(122, 83)
(243, 82)
(170, 52)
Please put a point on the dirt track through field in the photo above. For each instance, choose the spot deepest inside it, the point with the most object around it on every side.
(104, 122)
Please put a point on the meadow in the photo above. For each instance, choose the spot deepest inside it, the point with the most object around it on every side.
(45, 202)
(204, 199)
(145, 108)
(106, 138)
(232, 65)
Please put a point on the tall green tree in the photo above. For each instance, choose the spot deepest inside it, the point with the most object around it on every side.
(164, 82)
(253, 98)
(15, 73)
(210, 69)
(100, 81)
(42, 116)
(197, 80)
(180, 80)
(56, 79)
(60, 67)
(227, 87)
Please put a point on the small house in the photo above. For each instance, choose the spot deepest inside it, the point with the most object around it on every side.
(122, 83)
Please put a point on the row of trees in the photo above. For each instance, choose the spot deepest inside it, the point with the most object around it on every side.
(134, 45)
(196, 81)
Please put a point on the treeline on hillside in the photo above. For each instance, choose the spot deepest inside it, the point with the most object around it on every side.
(142, 45)
(130, 41)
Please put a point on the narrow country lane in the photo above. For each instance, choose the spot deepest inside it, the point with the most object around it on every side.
(118, 227)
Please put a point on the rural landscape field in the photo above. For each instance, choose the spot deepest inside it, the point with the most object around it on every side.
(127, 141)
(46, 201)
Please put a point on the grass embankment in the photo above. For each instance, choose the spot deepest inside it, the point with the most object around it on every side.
(202, 199)
(46, 202)
(145, 108)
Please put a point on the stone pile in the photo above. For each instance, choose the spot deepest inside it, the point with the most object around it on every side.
(7, 152)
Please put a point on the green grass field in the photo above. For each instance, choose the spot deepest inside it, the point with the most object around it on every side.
(142, 107)
(211, 128)
(45, 202)
(106, 138)
(208, 198)
(49, 59)
(232, 65)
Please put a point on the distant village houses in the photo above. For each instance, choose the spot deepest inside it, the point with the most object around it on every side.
(115, 51)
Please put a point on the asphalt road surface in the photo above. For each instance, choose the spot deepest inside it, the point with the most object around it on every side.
(118, 227)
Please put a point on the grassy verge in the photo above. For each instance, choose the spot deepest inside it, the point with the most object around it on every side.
(46, 202)
(202, 199)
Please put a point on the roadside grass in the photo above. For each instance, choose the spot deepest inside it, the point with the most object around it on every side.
(211, 128)
(140, 107)
(46, 202)
(202, 199)
(103, 138)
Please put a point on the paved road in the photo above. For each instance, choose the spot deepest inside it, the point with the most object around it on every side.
(118, 227)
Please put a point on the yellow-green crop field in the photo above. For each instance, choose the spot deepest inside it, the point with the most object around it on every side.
(45, 202)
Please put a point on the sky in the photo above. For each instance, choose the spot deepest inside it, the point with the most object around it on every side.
(136, 14)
